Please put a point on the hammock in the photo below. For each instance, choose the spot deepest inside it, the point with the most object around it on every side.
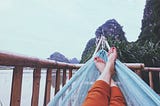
(135, 90)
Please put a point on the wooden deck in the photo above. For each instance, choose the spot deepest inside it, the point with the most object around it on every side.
(19, 62)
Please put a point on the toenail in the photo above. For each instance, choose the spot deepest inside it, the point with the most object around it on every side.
(95, 58)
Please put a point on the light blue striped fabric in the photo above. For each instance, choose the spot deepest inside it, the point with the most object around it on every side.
(135, 90)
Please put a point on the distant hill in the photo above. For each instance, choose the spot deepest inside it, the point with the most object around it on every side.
(74, 61)
(61, 58)
(111, 29)
(150, 29)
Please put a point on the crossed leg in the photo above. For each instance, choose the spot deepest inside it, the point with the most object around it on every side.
(116, 97)
(105, 92)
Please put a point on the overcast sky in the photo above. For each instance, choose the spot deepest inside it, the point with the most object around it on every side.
(41, 27)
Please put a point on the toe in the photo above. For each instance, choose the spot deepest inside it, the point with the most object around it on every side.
(98, 59)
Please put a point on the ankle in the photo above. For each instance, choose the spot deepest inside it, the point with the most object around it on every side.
(111, 61)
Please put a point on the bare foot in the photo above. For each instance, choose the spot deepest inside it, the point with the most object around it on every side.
(112, 54)
(100, 64)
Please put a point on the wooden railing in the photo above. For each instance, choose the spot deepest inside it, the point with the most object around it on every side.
(19, 62)
(150, 71)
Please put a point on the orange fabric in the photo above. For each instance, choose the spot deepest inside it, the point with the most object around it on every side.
(117, 98)
(101, 94)
(98, 95)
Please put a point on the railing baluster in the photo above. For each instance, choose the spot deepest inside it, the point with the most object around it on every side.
(57, 87)
(64, 77)
(16, 86)
(48, 86)
(159, 76)
(150, 79)
(36, 85)
(70, 73)
(138, 72)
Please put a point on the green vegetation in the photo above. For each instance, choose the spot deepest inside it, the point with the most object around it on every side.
(134, 52)
(150, 30)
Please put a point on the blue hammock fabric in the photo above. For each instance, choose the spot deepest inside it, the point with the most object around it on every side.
(134, 89)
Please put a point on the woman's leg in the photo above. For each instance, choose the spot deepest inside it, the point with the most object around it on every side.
(108, 70)
(116, 98)
(99, 94)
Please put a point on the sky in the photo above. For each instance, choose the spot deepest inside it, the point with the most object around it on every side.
(39, 28)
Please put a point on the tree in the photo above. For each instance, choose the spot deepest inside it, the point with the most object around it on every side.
(150, 29)
(89, 50)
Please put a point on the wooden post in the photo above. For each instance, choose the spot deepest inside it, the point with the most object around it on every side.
(16, 86)
(70, 73)
(36, 85)
(48, 86)
(57, 87)
(150, 79)
(159, 76)
(64, 77)
(138, 72)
